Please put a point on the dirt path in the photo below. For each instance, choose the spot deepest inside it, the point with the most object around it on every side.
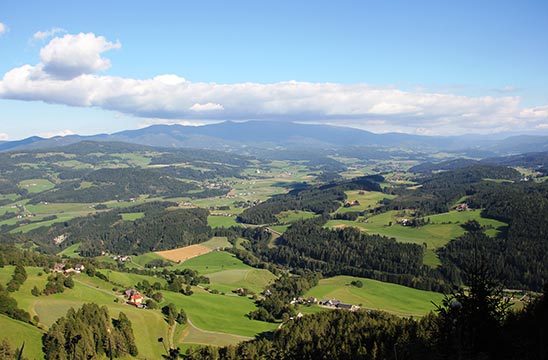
(243, 338)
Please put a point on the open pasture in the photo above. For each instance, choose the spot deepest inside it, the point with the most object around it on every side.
(376, 295)
(34, 186)
(366, 199)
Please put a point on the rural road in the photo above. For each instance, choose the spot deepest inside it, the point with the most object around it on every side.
(244, 338)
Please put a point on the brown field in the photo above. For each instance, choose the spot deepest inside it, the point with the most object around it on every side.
(344, 226)
(184, 253)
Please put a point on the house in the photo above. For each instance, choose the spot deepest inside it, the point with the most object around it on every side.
(134, 297)
(79, 268)
(349, 307)
(312, 300)
(58, 267)
(351, 203)
(405, 222)
(329, 302)
(462, 207)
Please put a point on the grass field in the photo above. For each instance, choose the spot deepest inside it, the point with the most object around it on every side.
(252, 279)
(219, 313)
(148, 325)
(376, 295)
(217, 242)
(144, 259)
(280, 228)
(132, 216)
(36, 185)
(129, 279)
(216, 221)
(367, 200)
(213, 262)
(291, 216)
(211, 313)
(442, 228)
(17, 333)
(71, 251)
(63, 211)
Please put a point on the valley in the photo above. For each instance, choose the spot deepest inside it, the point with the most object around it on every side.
(232, 240)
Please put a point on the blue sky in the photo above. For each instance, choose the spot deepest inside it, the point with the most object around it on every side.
(426, 67)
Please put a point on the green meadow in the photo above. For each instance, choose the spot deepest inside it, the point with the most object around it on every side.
(17, 333)
(252, 279)
(217, 242)
(226, 272)
(213, 262)
(148, 325)
(216, 221)
(441, 229)
(291, 216)
(367, 200)
(219, 313)
(132, 216)
(375, 295)
(71, 251)
(36, 185)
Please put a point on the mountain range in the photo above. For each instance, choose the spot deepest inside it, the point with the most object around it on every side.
(245, 137)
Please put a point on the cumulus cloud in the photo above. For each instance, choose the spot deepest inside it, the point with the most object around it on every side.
(4, 136)
(3, 28)
(74, 55)
(44, 35)
(67, 74)
(206, 107)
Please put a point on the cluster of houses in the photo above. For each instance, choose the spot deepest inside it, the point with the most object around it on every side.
(304, 301)
(61, 268)
(121, 258)
(334, 303)
(331, 303)
(405, 222)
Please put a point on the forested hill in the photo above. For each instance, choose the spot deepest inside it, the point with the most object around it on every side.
(160, 228)
(321, 199)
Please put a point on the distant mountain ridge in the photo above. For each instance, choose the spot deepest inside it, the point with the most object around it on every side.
(242, 136)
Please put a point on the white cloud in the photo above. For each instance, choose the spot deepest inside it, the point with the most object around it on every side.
(206, 107)
(3, 28)
(44, 35)
(67, 75)
(149, 122)
(74, 55)
(506, 89)
(57, 133)
(4, 136)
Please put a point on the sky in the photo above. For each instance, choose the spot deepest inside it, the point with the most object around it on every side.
(420, 67)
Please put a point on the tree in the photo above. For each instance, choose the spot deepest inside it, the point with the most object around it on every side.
(470, 320)
(181, 317)
(170, 313)
(68, 283)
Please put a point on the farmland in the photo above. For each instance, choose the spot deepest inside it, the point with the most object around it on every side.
(86, 289)
(436, 233)
(376, 295)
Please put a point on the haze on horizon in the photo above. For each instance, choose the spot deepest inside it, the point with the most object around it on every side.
(422, 68)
